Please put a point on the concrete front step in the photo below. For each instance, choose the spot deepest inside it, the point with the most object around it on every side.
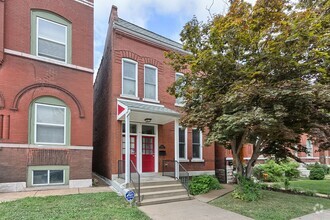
(157, 188)
(163, 194)
(156, 183)
(155, 201)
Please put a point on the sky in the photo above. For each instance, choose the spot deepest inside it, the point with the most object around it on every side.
(164, 17)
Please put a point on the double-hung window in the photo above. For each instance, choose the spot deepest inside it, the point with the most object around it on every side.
(179, 101)
(50, 124)
(51, 40)
(129, 80)
(182, 143)
(197, 144)
(150, 83)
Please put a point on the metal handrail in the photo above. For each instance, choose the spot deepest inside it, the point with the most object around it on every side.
(184, 179)
(136, 185)
(169, 170)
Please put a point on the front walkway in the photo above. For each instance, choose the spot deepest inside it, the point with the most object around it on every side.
(4, 197)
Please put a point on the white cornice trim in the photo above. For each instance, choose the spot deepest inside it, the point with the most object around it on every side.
(46, 60)
(138, 102)
(52, 147)
(85, 2)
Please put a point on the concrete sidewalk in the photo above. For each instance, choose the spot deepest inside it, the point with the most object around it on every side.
(5, 197)
(324, 215)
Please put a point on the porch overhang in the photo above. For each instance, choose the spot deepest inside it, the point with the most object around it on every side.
(140, 111)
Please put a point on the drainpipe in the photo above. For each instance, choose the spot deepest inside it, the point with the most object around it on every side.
(176, 148)
(127, 147)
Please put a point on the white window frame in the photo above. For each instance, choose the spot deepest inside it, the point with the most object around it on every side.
(185, 158)
(55, 125)
(309, 153)
(156, 72)
(37, 41)
(136, 78)
(48, 178)
(180, 104)
(200, 158)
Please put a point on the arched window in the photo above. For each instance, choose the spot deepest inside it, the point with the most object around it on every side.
(51, 36)
(49, 122)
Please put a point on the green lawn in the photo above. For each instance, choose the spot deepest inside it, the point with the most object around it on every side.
(82, 206)
(273, 205)
(320, 186)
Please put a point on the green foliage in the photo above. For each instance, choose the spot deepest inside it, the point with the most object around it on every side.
(258, 74)
(203, 184)
(247, 190)
(317, 173)
(325, 167)
(276, 186)
(286, 183)
(271, 171)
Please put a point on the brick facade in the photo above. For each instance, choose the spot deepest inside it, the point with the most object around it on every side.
(26, 77)
(108, 88)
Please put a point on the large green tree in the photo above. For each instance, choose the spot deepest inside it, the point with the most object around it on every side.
(258, 74)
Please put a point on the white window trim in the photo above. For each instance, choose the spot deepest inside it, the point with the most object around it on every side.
(156, 72)
(136, 78)
(36, 123)
(309, 154)
(65, 44)
(184, 159)
(200, 158)
(176, 99)
(48, 179)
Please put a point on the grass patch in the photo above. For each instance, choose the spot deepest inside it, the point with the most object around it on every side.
(81, 206)
(320, 186)
(272, 206)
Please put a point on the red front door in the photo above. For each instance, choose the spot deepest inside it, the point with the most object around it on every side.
(148, 154)
(132, 148)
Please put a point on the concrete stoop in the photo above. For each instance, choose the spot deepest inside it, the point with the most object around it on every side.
(162, 192)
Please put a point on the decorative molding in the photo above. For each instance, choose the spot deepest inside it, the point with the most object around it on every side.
(2, 101)
(127, 54)
(47, 85)
(85, 2)
(47, 60)
(52, 147)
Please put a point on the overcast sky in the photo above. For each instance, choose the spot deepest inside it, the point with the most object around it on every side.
(164, 17)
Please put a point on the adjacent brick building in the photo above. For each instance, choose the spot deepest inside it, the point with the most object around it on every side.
(46, 78)
(131, 88)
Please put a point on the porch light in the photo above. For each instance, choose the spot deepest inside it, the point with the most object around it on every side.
(147, 120)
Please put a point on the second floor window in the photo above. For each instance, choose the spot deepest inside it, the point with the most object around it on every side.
(51, 40)
(129, 74)
(150, 82)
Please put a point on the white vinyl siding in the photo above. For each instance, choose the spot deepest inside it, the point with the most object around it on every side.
(129, 78)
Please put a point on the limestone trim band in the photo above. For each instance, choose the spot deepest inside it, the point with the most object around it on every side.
(53, 147)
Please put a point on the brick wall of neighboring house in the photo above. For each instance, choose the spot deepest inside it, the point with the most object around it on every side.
(26, 77)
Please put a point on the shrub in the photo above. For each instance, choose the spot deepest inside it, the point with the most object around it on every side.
(325, 168)
(317, 173)
(247, 190)
(203, 184)
(286, 183)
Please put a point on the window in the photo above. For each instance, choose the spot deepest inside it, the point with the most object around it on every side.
(179, 100)
(197, 144)
(148, 129)
(182, 143)
(47, 175)
(309, 147)
(129, 81)
(150, 83)
(50, 36)
(49, 122)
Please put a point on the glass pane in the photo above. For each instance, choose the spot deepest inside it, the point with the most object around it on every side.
(196, 136)
(51, 49)
(181, 135)
(40, 177)
(50, 114)
(129, 70)
(50, 134)
(129, 87)
(196, 151)
(146, 129)
(150, 75)
(182, 151)
(51, 31)
(56, 176)
(132, 128)
(150, 91)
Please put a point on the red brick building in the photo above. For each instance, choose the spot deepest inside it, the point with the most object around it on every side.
(46, 78)
(130, 92)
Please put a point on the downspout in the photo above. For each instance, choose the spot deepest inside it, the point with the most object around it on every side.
(2, 30)
(127, 147)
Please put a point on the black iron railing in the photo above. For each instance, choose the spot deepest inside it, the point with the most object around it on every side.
(169, 170)
(135, 180)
